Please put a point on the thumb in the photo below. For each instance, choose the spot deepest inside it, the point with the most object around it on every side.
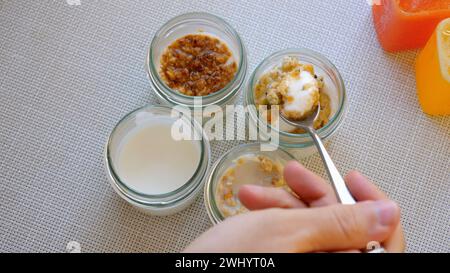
(342, 227)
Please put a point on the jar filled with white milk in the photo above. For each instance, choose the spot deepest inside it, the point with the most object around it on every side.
(151, 165)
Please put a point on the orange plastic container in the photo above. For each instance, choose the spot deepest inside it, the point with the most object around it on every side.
(433, 72)
(407, 24)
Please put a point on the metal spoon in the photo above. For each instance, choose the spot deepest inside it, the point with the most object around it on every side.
(343, 194)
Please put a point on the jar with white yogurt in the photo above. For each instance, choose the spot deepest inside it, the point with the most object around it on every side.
(150, 167)
(300, 144)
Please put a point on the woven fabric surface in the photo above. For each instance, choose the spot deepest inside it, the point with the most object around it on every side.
(69, 72)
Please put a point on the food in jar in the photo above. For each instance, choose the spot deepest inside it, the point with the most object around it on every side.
(197, 65)
(145, 160)
(296, 89)
(249, 169)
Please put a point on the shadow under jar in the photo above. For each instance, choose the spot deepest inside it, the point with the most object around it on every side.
(300, 144)
(196, 24)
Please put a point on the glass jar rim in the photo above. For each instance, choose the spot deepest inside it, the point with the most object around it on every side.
(211, 207)
(159, 200)
(315, 55)
(153, 71)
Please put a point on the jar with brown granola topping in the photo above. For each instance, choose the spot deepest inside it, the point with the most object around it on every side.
(196, 56)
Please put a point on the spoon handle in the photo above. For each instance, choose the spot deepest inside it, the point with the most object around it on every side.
(343, 194)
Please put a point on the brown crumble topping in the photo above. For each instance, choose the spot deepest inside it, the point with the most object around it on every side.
(197, 65)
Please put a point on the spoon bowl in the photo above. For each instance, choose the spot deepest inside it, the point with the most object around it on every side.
(304, 123)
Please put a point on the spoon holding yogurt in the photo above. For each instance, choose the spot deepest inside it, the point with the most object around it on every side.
(296, 89)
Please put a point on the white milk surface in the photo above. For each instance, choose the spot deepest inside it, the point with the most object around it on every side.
(151, 162)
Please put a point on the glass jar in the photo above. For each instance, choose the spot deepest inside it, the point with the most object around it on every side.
(196, 23)
(301, 145)
(160, 204)
(225, 162)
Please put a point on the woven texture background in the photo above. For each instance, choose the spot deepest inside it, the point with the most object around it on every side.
(68, 73)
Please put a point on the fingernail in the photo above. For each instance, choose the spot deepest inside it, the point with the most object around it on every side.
(387, 212)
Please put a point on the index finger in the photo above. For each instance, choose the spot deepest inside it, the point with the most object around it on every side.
(310, 188)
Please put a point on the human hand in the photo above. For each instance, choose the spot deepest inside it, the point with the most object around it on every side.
(313, 191)
(312, 221)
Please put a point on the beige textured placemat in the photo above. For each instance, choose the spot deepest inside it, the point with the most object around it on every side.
(69, 72)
